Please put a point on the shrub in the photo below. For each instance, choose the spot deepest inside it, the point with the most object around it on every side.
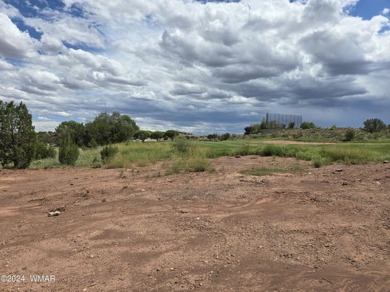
(308, 125)
(108, 152)
(41, 151)
(68, 152)
(93, 143)
(349, 135)
(317, 163)
(182, 145)
(275, 150)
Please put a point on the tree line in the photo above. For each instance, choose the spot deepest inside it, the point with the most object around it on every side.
(20, 144)
(374, 125)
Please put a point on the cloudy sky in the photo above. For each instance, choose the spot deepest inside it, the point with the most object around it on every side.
(197, 66)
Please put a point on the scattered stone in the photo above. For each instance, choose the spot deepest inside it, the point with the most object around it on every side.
(183, 211)
(345, 183)
(53, 213)
(386, 161)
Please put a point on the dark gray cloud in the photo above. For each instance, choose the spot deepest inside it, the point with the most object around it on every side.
(200, 67)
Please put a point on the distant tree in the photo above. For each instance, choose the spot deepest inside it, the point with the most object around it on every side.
(106, 129)
(224, 137)
(157, 135)
(248, 130)
(291, 125)
(171, 134)
(212, 136)
(47, 137)
(17, 135)
(308, 125)
(374, 125)
(254, 129)
(74, 129)
(68, 152)
(142, 135)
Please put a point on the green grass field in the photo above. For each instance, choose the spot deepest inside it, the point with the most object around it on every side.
(196, 158)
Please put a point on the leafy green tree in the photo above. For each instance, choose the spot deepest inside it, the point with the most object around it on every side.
(212, 136)
(171, 134)
(114, 128)
(74, 129)
(17, 135)
(47, 137)
(308, 125)
(142, 135)
(224, 137)
(254, 129)
(157, 135)
(374, 125)
(68, 152)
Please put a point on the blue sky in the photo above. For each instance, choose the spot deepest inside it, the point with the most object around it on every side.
(197, 66)
(369, 8)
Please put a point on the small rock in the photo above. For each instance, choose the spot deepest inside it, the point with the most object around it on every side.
(385, 161)
(339, 170)
(172, 269)
(53, 213)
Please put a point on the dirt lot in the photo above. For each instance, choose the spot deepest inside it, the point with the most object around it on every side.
(325, 229)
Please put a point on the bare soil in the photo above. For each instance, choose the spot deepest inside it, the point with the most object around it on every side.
(325, 229)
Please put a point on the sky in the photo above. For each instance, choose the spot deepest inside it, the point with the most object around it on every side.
(197, 66)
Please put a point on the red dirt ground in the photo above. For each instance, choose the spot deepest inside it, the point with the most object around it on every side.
(325, 229)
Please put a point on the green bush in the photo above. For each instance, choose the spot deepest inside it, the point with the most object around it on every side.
(108, 152)
(68, 152)
(182, 145)
(276, 150)
(349, 135)
(41, 151)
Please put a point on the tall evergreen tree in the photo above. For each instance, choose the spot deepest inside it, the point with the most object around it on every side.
(17, 135)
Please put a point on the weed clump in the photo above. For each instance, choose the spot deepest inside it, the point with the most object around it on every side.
(108, 153)
(182, 145)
